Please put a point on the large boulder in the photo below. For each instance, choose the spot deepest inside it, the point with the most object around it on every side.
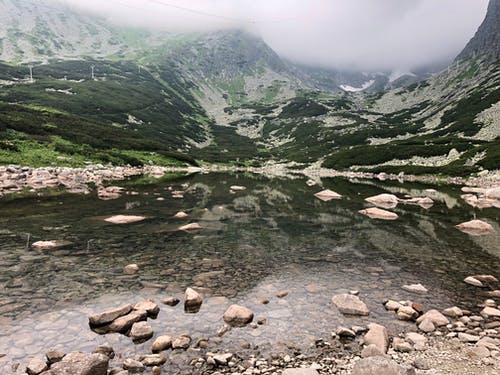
(109, 315)
(238, 316)
(80, 364)
(380, 366)
(377, 335)
(350, 304)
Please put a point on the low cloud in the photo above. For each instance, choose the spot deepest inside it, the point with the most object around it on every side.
(358, 34)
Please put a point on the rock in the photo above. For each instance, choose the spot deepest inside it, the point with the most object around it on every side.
(489, 342)
(131, 269)
(416, 339)
(50, 245)
(282, 294)
(379, 366)
(123, 323)
(406, 313)
(222, 359)
(181, 215)
(473, 281)
(191, 227)
(493, 293)
(124, 219)
(171, 301)
(453, 312)
(415, 288)
(425, 202)
(479, 352)
(426, 326)
(107, 350)
(383, 200)
(421, 364)
(475, 227)
(133, 366)
(81, 364)
(149, 306)
(192, 301)
(156, 370)
(377, 213)
(311, 183)
(486, 278)
(237, 188)
(109, 315)
(181, 342)
(327, 195)
(371, 351)
(345, 332)
(151, 360)
(377, 335)
(435, 317)
(349, 304)
(417, 307)
(392, 305)
(141, 331)
(238, 316)
(401, 345)
(300, 371)
(492, 193)
(36, 366)
(54, 356)
(161, 343)
(489, 312)
(465, 337)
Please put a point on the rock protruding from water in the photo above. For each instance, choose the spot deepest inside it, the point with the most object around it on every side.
(350, 304)
(377, 213)
(238, 316)
(141, 331)
(191, 227)
(109, 315)
(475, 227)
(181, 215)
(192, 301)
(377, 335)
(161, 343)
(124, 219)
(50, 245)
(327, 195)
(149, 306)
(383, 200)
(81, 364)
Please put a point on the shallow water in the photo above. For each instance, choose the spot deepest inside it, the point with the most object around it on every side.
(273, 236)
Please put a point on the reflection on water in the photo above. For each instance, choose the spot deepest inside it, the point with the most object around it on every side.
(273, 236)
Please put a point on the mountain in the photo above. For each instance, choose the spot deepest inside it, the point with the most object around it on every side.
(486, 42)
(227, 97)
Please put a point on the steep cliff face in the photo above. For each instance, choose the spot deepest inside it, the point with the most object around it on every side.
(487, 39)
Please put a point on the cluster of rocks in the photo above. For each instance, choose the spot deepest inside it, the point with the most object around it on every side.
(482, 197)
(75, 363)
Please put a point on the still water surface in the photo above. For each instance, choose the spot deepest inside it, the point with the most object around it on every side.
(273, 236)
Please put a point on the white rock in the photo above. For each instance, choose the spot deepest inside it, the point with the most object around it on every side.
(326, 195)
(377, 213)
(124, 219)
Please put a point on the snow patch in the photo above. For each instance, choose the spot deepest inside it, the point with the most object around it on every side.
(358, 89)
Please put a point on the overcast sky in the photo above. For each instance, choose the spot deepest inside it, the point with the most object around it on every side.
(345, 34)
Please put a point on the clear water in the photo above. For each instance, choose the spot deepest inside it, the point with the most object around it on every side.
(273, 236)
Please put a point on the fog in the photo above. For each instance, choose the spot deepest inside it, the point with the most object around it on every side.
(366, 35)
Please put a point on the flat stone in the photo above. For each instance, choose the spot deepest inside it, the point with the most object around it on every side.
(349, 304)
(415, 288)
(486, 278)
(109, 315)
(327, 195)
(371, 351)
(475, 227)
(416, 338)
(479, 352)
(191, 227)
(161, 343)
(50, 245)
(141, 331)
(238, 316)
(151, 360)
(473, 281)
(490, 312)
(36, 366)
(124, 219)
(377, 213)
(282, 294)
(377, 335)
(465, 337)
(435, 317)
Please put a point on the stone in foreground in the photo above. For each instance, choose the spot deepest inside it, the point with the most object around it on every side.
(191, 227)
(81, 364)
(435, 317)
(36, 366)
(475, 227)
(300, 371)
(377, 335)
(380, 366)
(109, 315)
(377, 213)
(238, 316)
(124, 219)
(350, 304)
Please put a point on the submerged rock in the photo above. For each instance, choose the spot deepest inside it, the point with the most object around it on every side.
(350, 304)
(415, 288)
(161, 343)
(475, 227)
(124, 219)
(238, 316)
(327, 195)
(377, 213)
(81, 364)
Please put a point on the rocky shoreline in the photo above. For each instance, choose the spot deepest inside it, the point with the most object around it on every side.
(16, 179)
(451, 341)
